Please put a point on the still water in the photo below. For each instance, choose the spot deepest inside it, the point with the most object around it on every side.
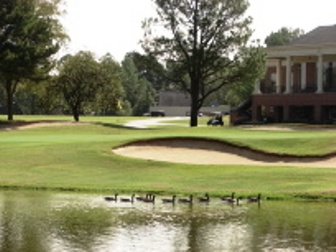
(42, 221)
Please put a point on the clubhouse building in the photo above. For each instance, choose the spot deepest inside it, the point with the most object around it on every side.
(300, 81)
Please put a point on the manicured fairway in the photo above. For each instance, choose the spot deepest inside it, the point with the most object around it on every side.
(79, 157)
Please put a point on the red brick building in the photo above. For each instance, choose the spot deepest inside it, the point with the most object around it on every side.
(300, 81)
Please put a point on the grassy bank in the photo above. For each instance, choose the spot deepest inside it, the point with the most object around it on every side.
(78, 157)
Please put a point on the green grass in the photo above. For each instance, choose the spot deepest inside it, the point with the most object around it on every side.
(79, 158)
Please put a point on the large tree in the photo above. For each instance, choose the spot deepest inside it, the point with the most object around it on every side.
(203, 44)
(150, 69)
(110, 94)
(138, 90)
(283, 36)
(90, 85)
(37, 98)
(30, 34)
(78, 80)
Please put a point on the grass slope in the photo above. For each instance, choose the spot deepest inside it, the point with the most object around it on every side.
(79, 158)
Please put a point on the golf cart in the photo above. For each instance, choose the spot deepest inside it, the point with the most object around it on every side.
(216, 119)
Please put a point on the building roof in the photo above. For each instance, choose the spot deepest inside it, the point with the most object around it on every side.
(318, 36)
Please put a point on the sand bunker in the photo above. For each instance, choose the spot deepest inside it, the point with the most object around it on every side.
(196, 151)
(38, 124)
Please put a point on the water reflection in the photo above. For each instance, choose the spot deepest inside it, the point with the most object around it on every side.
(40, 221)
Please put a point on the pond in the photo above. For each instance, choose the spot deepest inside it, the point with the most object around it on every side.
(44, 221)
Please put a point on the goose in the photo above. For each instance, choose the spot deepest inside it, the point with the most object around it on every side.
(172, 200)
(254, 199)
(149, 199)
(111, 198)
(228, 198)
(128, 199)
(190, 200)
(142, 198)
(234, 200)
(206, 198)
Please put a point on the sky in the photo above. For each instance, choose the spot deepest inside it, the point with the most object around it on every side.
(114, 26)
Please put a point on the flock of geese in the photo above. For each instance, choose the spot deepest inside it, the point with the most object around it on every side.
(150, 198)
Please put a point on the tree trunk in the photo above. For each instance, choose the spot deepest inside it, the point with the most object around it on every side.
(76, 116)
(194, 104)
(10, 93)
(75, 113)
(194, 114)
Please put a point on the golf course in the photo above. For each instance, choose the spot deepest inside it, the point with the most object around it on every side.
(53, 153)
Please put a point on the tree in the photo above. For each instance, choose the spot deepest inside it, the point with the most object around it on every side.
(109, 96)
(30, 34)
(138, 90)
(78, 80)
(37, 98)
(283, 36)
(238, 93)
(203, 43)
(150, 69)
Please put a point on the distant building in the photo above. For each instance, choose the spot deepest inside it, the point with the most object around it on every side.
(300, 80)
(174, 99)
(174, 103)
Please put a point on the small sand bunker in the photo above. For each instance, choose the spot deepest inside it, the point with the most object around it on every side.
(212, 152)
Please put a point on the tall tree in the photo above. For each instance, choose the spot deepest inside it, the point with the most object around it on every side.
(78, 81)
(30, 34)
(203, 43)
(239, 93)
(138, 90)
(109, 96)
(283, 36)
(37, 98)
(150, 69)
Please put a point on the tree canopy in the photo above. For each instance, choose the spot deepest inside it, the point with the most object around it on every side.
(77, 80)
(89, 85)
(30, 34)
(150, 69)
(203, 45)
(109, 96)
(139, 91)
(283, 36)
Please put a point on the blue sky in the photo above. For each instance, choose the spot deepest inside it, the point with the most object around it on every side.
(114, 26)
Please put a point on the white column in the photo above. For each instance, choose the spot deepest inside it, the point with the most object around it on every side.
(303, 76)
(320, 74)
(288, 75)
(257, 87)
(278, 76)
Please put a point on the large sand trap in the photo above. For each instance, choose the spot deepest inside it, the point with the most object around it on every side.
(193, 151)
